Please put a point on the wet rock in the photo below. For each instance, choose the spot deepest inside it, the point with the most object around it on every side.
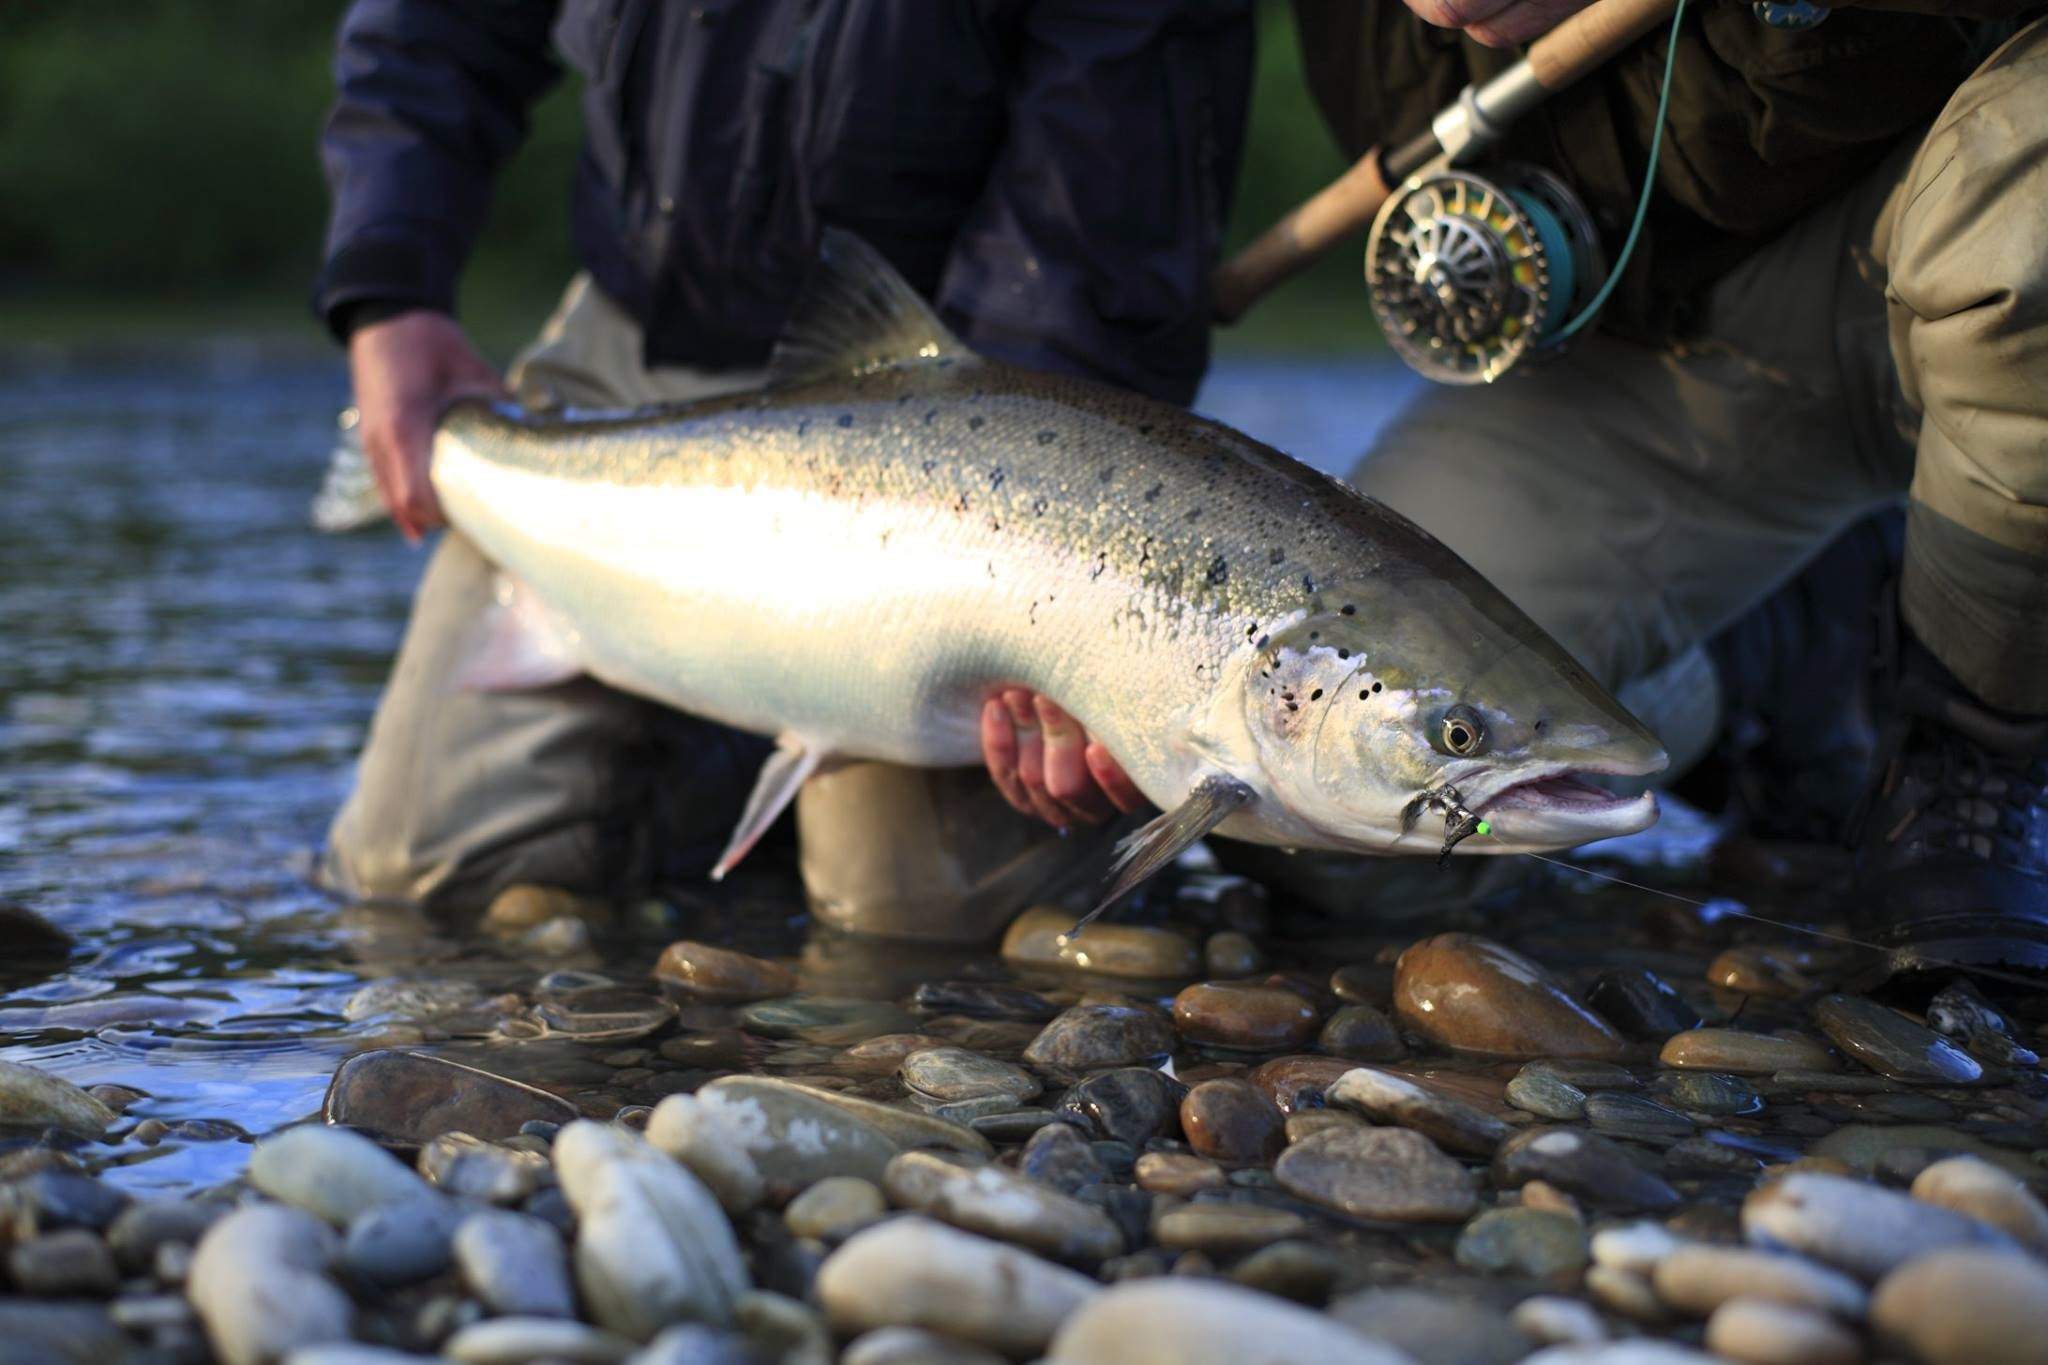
(834, 1209)
(1097, 1037)
(1176, 1321)
(1531, 1243)
(1965, 1307)
(1387, 1173)
(1012, 1125)
(65, 1199)
(1641, 1004)
(721, 976)
(1057, 1155)
(1473, 995)
(1553, 1320)
(1629, 1295)
(410, 1097)
(60, 1264)
(997, 1203)
(1698, 1279)
(1250, 1015)
(914, 1346)
(1584, 1074)
(31, 1098)
(982, 1000)
(1298, 1270)
(526, 906)
(1226, 1229)
(822, 1019)
(1541, 1093)
(467, 1167)
(1972, 1186)
(1430, 1327)
(1298, 1083)
(1861, 1228)
(1766, 1333)
(1752, 970)
(653, 1246)
(1706, 1156)
(1231, 954)
(1710, 1092)
(332, 1173)
(781, 1329)
(1633, 1116)
(38, 1333)
(1386, 1098)
(1638, 1248)
(916, 1272)
(1180, 1173)
(258, 1283)
(1360, 1033)
(1130, 1104)
(1040, 938)
(515, 1264)
(1866, 1147)
(1229, 1120)
(143, 1227)
(1893, 1045)
(1744, 1053)
(515, 1341)
(953, 1073)
(400, 1243)
(1584, 1165)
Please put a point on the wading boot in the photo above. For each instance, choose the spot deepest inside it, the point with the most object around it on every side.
(1952, 838)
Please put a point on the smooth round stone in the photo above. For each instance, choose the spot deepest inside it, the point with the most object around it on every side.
(1863, 1229)
(1633, 1116)
(1387, 1173)
(1297, 1083)
(1541, 1194)
(1555, 1320)
(692, 1343)
(1761, 1332)
(1225, 1229)
(71, 1261)
(721, 976)
(1638, 1248)
(914, 1346)
(516, 1341)
(1231, 954)
(1751, 970)
(1360, 1033)
(1697, 1279)
(1532, 1243)
(410, 1097)
(470, 1168)
(1744, 1053)
(1386, 1098)
(1584, 1074)
(1057, 1155)
(1891, 1044)
(32, 1098)
(65, 1199)
(1474, 995)
(1002, 1204)
(332, 1173)
(1585, 1165)
(257, 1281)
(1710, 1092)
(400, 1243)
(1966, 1307)
(1098, 1037)
(1229, 1120)
(834, 1209)
(1866, 1147)
(1178, 1173)
(1309, 1122)
(917, 1272)
(1704, 1156)
(1642, 1004)
(1249, 1015)
(525, 906)
(1544, 1095)
(1042, 937)
(1130, 1104)
(143, 1227)
(1180, 1321)
(515, 1264)
(982, 1000)
(1625, 1293)
(954, 1073)
(1975, 1187)
(1431, 1327)
(821, 1019)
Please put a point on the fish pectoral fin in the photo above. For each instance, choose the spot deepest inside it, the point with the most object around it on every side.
(1166, 837)
(781, 776)
(518, 642)
(854, 314)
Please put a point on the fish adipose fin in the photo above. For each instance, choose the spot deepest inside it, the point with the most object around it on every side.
(785, 771)
(1161, 840)
(518, 643)
(856, 314)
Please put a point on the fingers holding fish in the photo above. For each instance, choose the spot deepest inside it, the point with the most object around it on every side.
(1116, 784)
(406, 370)
(1068, 779)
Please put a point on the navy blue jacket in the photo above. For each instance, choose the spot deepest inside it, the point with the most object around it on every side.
(1054, 174)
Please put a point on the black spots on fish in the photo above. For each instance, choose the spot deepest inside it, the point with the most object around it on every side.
(1038, 506)
(995, 477)
(1145, 429)
(1219, 570)
(1108, 474)
(1343, 653)
(1348, 609)
(1308, 584)
(1365, 693)
(946, 362)
(1294, 706)
(930, 465)
(803, 426)
(1251, 630)
(1541, 726)
(976, 423)
(903, 398)
(994, 525)
(1152, 493)
(1145, 552)
(1276, 556)
(845, 419)
(1101, 565)
(962, 503)
(931, 414)
(1316, 695)
(1315, 635)
(1194, 514)
(1046, 438)
(1264, 640)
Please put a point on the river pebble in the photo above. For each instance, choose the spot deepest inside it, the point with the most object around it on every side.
(400, 1243)
(1710, 1092)
(1098, 1037)
(1231, 954)
(1361, 1033)
(823, 1019)
(147, 1226)
(1434, 1328)
(954, 1073)
(516, 1341)
(258, 1282)
(1635, 1116)
(1249, 1015)
(1966, 1306)
(914, 1346)
(1041, 937)
(1859, 1227)
(1386, 1098)
(1130, 1104)
(1389, 1173)
(332, 1173)
(1186, 1322)
(1765, 1332)
(33, 1098)
(1891, 1044)
(1750, 969)
(1231, 1121)
(1059, 1156)
(1699, 1279)
(410, 1097)
(515, 1264)
(720, 976)
(71, 1261)
(1226, 1229)
(1002, 1204)
(1585, 1165)
(1542, 1093)
(1474, 995)
(916, 1272)
(1553, 1320)
(1745, 1053)
(1640, 1003)
(66, 1199)
(1532, 1243)
(1973, 1186)
(467, 1167)
(1181, 1173)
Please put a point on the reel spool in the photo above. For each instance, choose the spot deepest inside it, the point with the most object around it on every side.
(1469, 273)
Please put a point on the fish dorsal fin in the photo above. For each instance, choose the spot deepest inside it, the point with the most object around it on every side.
(856, 314)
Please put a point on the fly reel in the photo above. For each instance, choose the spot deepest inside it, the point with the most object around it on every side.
(1471, 272)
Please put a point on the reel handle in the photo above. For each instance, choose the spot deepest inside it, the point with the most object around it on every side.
(1350, 202)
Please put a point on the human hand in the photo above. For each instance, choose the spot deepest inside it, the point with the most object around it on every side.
(1497, 23)
(406, 370)
(1045, 765)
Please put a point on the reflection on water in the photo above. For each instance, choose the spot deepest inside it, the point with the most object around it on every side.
(185, 672)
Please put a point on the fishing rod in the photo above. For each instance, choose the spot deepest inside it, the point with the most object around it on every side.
(1469, 270)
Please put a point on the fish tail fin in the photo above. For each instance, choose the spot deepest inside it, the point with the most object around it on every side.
(347, 500)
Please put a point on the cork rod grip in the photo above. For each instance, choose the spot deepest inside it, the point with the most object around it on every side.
(1339, 208)
(1591, 36)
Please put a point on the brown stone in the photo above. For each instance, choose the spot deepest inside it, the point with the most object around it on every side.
(1388, 1173)
(1474, 995)
(1043, 937)
(1178, 1173)
(411, 1097)
(1744, 1053)
(1298, 1082)
(1751, 970)
(721, 976)
(1232, 1121)
(1361, 1033)
(1244, 1014)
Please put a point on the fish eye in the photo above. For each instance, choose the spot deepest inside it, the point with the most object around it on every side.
(1459, 733)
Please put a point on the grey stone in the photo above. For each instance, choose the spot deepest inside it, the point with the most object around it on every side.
(1433, 1328)
(411, 1097)
(914, 1346)
(1386, 1098)
(32, 1098)
(1711, 1092)
(72, 1261)
(1099, 1037)
(331, 1173)
(1181, 1321)
(1131, 1104)
(1387, 1173)
(1585, 1165)
(1057, 1155)
(1541, 1093)
(835, 1208)
(515, 1263)
(954, 1073)
(1859, 1227)
(998, 1203)
(822, 1019)
(1533, 1243)
(1636, 1116)
(1889, 1043)
(258, 1283)
(467, 1167)
(147, 1225)
(400, 1243)
(516, 1341)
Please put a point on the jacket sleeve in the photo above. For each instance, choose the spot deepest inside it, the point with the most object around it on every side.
(1091, 247)
(431, 96)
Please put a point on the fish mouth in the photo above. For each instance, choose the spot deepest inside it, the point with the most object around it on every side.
(1560, 808)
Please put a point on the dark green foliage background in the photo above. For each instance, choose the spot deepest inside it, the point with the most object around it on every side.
(157, 170)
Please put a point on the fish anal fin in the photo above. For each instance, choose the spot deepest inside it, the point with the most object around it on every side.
(1154, 845)
(856, 313)
(518, 642)
(781, 776)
